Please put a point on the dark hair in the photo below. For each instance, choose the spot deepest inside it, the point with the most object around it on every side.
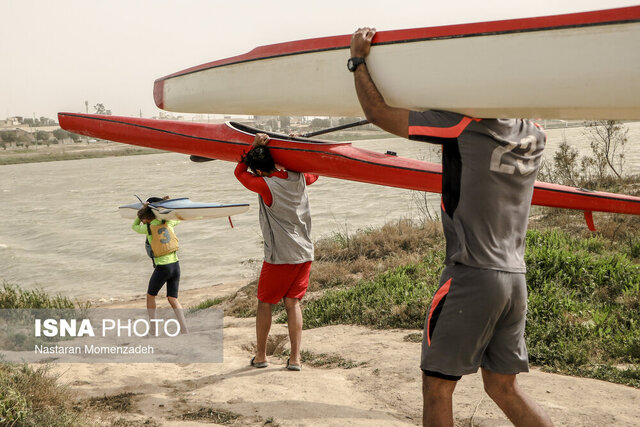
(259, 158)
(146, 212)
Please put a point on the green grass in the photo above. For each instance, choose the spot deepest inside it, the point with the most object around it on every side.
(584, 304)
(12, 296)
(209, 302)
(323, 360)
(413, 337)
(584, 308)
(123, 402)
(328, 360)
(31, 397)
(71, 155)
(16, 320)
(217, 416)
(394, 299)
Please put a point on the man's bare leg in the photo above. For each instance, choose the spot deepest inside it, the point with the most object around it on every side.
(151, 306)
(263, 326)
(294, 321)
(516, 405)
(151, 312)
(179, 312)
(437, 395)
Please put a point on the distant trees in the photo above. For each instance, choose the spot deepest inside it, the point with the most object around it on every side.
(285, 123)
(347, 120)
(34, 122)
(601, 168)
(22, 140)
(61, 134)
(101, 109)
(607, 139)
(42, 136)
(272, 124)
(318, 123)
(8, 137)
(45, 121)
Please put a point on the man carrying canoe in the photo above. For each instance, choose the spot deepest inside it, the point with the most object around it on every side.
(285, 220)
(162, 246)
(477, 316)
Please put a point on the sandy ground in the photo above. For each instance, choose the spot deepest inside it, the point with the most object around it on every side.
(384, 391)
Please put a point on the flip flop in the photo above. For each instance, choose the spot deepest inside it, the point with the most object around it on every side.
(258, 364)
(293, 367)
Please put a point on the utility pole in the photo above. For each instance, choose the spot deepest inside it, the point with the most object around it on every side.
(35, 133)
(86, 109)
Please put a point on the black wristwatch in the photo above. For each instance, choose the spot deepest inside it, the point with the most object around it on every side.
(353, 63)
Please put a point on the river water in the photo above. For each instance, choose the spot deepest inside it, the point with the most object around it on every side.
(62, 231)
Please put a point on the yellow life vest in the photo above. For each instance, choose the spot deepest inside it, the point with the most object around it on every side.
(163, 239)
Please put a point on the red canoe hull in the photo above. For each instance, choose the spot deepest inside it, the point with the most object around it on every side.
(337, 160)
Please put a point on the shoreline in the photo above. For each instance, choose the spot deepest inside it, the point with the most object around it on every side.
(104, 148)
(187, 297)
(356, 375)
(75, 151)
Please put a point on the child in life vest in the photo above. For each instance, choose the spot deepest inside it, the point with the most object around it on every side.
(164, 247)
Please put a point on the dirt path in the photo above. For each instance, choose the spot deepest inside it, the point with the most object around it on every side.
(383, 390)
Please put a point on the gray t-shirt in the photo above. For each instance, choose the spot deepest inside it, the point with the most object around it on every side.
(489, 170)
(286, 224)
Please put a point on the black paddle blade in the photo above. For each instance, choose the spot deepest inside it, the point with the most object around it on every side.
(199, 159)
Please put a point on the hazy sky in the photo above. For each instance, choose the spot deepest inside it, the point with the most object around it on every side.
(58, 53)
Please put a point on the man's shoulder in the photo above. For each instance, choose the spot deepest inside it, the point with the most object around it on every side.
(434, 117)
(510, 129)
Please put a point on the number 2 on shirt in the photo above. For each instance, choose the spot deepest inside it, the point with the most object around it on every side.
(500, 157)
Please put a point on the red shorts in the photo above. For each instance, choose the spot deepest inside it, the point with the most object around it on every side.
(278, 281)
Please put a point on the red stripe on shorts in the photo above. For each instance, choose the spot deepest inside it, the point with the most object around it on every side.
(442, 292)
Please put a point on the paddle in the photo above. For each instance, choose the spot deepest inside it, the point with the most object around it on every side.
(199, 159)
(333, 129)
(151, 205)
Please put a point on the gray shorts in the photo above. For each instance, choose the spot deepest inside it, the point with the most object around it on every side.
(476, 319)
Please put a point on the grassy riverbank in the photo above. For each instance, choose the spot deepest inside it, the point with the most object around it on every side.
(584, 289)
(32, 396)
(584, 301)
(71, 152)
(84, 150)
(583, 320)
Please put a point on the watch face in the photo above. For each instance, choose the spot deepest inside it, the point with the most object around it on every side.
(353, 63)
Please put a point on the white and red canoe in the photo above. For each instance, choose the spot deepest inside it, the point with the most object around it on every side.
(334, 159)
(572, 66)
(183, 209)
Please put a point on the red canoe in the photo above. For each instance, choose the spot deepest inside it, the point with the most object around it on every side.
(334, 159)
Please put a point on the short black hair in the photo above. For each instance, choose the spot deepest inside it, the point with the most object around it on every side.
(259, 158)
